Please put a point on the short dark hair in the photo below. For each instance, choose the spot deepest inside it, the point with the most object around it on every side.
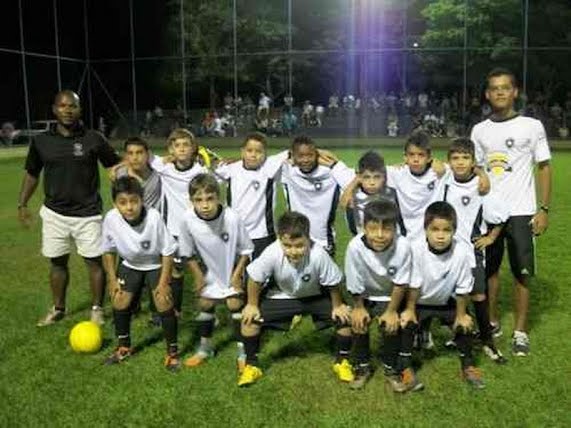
(371, 161)
(302, 140)
(380, 211)
(442, 210)
(294, 224)
(135, 141)
(501, 71)
(462, 145)
(205, 182)
(420, 139)
(128, 185)
(256, 136)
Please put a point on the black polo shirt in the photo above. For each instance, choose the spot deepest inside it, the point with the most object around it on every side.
(71, 172)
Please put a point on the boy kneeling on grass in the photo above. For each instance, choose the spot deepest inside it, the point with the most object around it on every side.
(139, 236)
(305, 280)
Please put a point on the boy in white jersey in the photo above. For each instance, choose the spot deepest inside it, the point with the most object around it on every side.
(441, 283)
(509, 146)
(139, 236)
(251, 188)
(474, 214)
(305, 281)
(175, 177)
(369, 185)
(313, 189)
(377, 266)
(215, 239)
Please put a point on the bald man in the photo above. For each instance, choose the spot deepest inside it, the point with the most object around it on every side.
(71, 212)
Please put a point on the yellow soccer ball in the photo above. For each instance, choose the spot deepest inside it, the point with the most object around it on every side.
(86, 337)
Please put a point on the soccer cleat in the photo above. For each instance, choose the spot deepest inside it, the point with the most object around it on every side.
(426, 341)
(496, 329)
(97, 315)
(344, 370)
(473, 376)
(295, 321)
(361, 376)
(172, 362)
(409, 381)
(450, 344)
(520, 344)
(393, 380)
(54, 315)
(249, 375)
(199, 358)
(494, 353)
(120, 354)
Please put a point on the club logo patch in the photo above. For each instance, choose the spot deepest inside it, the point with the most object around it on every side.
(77, 149)
(145, 245)
(431, 185)
(510, 143)
(306, 277)
(318, 185)
(392, 270)
(256, 184)
(465, 200)
(224, 236)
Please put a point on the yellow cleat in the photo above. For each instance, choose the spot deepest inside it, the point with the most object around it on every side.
(249, 375)
(344, 371)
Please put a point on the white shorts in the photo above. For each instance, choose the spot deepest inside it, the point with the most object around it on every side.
(58, 232)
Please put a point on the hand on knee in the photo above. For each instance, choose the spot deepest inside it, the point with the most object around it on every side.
(234, 304)
(249, 330)
(121, 300)
(162, 297)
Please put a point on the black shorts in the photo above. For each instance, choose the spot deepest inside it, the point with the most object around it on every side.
(277, 313)
(134, 281)
(375, 308)
(479, 273)
(261, 244)
(518, 235)
(445, 313)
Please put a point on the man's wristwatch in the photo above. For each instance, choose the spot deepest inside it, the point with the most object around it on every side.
(544, 208)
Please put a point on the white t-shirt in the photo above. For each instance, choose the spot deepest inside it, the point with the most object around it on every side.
(473, 210)
(315, 271)
(141, 247)
(175, 190)
(316, 195)
(218, 242)
(252, 193)
(264, 102)
(372, 273)
(509, 150)
(441, 276)
(414, 195)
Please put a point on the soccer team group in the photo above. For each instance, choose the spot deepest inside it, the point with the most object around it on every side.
(428, 238)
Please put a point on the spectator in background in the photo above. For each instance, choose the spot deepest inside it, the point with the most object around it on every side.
(333, 106)
(289, 122)
(264, 104)
(217, 126)
(7, 134)
(423, 102)
(306, 114)
(288, 101)
(319, 113)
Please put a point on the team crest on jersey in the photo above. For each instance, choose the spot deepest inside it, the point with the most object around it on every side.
(431, 185)
(318, 185)
(392, 270)
(306, 277)
(510, 143)
(145, 245)
(77, 149)
(224, 236)
(256, 184)
(465, 200)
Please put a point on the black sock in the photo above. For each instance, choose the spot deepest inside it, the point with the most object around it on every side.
(170, 329)
(206, 328)
(390, 349)
(152, 307)
(122, 321)
(406, 345)
(237, 327)
(464, 345)
(343, 346)
(361, 349)
(176, 285)
(59, 308)
(252, 346)
(482, 310)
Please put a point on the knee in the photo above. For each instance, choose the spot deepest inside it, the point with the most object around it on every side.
(249, 330)
(60, 263)
(359, 330)
(344, 331)
(234, 304)
(163, 300)
(479, 297)
(94, 262)
(206, 305)
(121, 300)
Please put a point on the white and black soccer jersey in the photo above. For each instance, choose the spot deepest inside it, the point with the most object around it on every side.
(371, 273)
(175, 190)
(218, 243)
(441, 276)
(473, 211)
(252, 193)
(509, 149)
(317, 270)
(152, 195)
(414, 195)
(355, 214)
(316, 196)
(141, 247)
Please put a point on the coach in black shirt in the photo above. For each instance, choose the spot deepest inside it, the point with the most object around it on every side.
(71, 212)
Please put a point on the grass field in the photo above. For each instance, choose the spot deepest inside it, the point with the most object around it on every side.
(43, 383)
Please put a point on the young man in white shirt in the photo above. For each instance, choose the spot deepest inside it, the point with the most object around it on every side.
(509, 146)
(139, 236)
(305, 281)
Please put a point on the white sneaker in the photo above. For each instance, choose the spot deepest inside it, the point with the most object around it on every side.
(54, 315)
(97, 315)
